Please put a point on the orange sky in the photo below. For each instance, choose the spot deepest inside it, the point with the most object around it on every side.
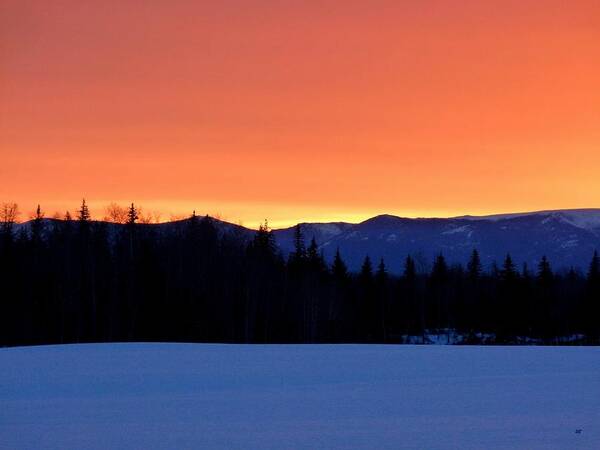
(298, 111)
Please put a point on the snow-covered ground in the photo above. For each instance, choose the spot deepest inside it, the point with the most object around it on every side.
(190, 396)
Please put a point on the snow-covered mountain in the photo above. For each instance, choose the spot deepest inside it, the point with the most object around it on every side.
(321, 232)
(582, 218)
(567, 237)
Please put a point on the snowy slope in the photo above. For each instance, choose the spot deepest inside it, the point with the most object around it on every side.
(567, 237)
(179, 396)
(587, 218)
(321, 232)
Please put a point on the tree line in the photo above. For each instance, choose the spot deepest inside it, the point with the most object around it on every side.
(79, 280)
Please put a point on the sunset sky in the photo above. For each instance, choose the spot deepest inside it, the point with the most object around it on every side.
(300, 111)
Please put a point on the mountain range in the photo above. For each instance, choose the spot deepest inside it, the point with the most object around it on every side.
(567, 237)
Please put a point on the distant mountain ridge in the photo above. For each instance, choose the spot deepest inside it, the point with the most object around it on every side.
(567, 237)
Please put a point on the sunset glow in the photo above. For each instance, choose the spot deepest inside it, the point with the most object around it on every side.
(300, 111)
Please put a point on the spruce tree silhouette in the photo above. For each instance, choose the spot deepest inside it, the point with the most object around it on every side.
(297, 258)
(437, 307)
(192, 280)
(37, 227)
(591, 309)
(339, 268)
(382, 306)
(474, 267)
(83, 215)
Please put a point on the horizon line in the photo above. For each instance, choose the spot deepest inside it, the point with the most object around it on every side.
(280, 226)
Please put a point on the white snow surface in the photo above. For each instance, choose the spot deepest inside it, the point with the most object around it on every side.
(587, 219)
(462, 229)
(193, 396)
(327, 230)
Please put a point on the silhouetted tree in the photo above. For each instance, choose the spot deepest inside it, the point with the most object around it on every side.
(474, 267)
(382, 302)
(132, 215)
(437, 305)
(544, 301)
(315, 260)
(591, 303)
(367, 315)
(413, 305)
(83, 214)
(37, 227)
(193, 280)
(298, 256)
(339, 269)
(507, 310)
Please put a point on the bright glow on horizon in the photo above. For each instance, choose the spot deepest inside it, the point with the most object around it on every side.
(158, 213)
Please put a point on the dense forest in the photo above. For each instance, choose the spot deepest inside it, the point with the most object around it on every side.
(79, 280)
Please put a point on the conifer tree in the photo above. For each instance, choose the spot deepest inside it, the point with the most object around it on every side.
(381, 295)
(194, 281)
(381, 274)
(410, 271)
(544, 307)
(83, 228)
(338, 268)
(591, 309)
(263, 245)
(439, 272)
(366, 321)
(297, 258)
(192, 237)
(411, 311)
(299, 246)
(544, 271)
(366, 270)
(37, 225)
(474, 266)
(315, 259)
(508, 272)
(593, 274)
(439, 297)
(341, 309)
(506, 311)
(132, 215)
(83, 214)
